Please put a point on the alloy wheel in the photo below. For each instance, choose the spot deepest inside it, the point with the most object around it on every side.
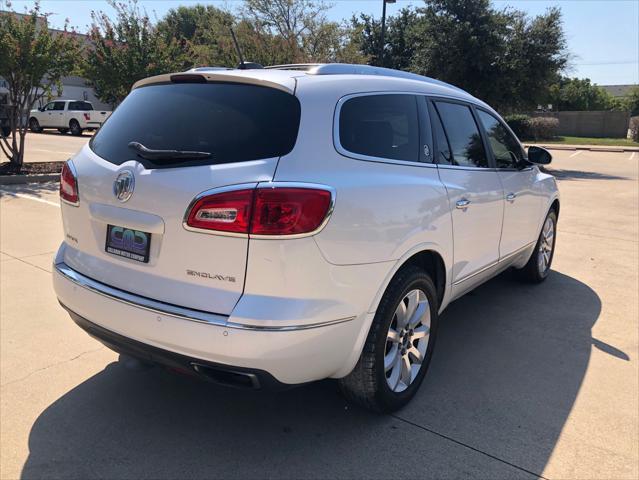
(546, 245)
(407, 340)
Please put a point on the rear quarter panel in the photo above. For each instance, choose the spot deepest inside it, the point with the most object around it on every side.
(383, 211)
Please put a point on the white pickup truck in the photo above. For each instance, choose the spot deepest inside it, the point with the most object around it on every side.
(67, 115)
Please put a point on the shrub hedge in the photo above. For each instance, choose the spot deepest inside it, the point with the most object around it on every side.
(634, 128)
(533, 128)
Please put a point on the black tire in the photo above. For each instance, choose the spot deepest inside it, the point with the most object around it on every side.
(75, 128)
(536, 271)
(367, 384)
(63, 131)
(34, 125)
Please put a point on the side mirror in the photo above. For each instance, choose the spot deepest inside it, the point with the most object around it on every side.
(41, 109)
(539, 156)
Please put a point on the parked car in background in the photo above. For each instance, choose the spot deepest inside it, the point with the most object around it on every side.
(296, 223)
(67, 115)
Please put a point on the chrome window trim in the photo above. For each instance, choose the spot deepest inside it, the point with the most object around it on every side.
(77, 184)
(260, 185)
(466, 167)
(181, 313)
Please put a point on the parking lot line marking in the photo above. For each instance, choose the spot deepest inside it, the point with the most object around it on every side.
(30, 197)
(633, 155)
(576, 153)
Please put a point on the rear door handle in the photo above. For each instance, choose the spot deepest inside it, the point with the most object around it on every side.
(462, 204)
(511, 197)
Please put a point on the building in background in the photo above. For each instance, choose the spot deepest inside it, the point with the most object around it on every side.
(77, 88)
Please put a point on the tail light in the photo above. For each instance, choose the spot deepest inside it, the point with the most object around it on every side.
(224, 212)
(69, 184)
(289, 211)
(87, 116)
(262, 211)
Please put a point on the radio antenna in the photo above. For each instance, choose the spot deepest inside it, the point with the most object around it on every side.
(241, 66)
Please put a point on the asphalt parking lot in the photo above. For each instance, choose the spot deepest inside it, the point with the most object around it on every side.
(526, 381)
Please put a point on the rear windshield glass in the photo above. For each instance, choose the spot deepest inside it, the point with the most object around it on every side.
(84, 106)
(232, 122)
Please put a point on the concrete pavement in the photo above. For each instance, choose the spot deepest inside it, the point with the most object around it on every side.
(526, 381)
(50, 146)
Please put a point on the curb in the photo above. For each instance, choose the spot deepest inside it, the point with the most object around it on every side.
(587, 148)
(39, 178)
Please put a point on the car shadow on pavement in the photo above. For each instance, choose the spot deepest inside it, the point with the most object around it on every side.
(566, 174)
(508, 366)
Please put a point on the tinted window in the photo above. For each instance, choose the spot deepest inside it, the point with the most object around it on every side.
(383, 126)
(443, 148)
(233, 122)
(49, 106)
(58, 106)
(81, 106)
(506, 148)
(463, 135)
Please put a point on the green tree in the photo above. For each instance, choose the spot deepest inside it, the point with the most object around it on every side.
(33, 60)
(291, 20)
(579, 94)
(399, 39)
(631, 102)
(300, 31)
(202, 33)
(268, 31)
(501, 56)
(126, 49)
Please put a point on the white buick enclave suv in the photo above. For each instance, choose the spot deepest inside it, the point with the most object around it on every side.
(270, 227)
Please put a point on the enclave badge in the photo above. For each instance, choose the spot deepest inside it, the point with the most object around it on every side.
(124, 185)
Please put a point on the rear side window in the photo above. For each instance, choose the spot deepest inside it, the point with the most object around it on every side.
(383, 126)
(467, 148)
(81, 106)
(232, 122)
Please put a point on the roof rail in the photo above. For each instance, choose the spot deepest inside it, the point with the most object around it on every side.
(207, 69)
(355, 69)
(295, 66)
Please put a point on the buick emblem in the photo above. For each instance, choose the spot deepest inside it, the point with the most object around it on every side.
(124, 185)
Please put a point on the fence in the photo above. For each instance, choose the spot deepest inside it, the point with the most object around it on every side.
(590, 124)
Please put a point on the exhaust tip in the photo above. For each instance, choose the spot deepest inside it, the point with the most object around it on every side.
(228, 378)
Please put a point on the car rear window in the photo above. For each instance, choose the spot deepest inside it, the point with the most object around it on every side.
(233, 122)
(82, 106)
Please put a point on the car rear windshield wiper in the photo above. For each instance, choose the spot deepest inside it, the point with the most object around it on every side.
(151, 154)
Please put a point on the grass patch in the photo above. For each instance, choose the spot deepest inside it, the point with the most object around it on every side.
(610, 142)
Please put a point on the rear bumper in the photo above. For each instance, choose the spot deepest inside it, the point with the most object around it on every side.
(289, 354)
(222, 374)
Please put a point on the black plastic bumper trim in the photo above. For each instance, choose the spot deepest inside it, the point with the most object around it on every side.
(221, 374)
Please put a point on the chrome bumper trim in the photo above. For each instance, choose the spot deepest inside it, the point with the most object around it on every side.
(175, 311)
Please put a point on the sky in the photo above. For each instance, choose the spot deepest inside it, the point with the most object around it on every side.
(602, 35)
